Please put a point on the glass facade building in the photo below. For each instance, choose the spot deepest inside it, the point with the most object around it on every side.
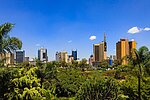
(74, 54)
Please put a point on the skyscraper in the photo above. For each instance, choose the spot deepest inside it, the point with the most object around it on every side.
(100, 50)
(132, 45)
(74, 54)
(57, 56)
(91, 60)
(123, 48)
(62, 56)
(42, 55)
(20, 56)
(96, 52)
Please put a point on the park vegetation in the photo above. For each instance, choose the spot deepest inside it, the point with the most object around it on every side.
(73, 81)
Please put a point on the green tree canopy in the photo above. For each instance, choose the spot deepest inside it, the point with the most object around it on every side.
(7, 43)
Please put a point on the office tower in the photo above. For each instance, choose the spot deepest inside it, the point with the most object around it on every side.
(57, 56)
(42, 55)
(113, 57)
(91, 60)
(100, 51)
(20, 56)
(103, 55)
(123, 48)
(9, 58)
(74, 54)
(110, 62)
(96, 52)
(132, 45)
(62, 56)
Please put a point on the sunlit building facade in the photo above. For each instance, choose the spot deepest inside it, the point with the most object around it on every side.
(8, 58)
(62, 56)
(100, 51)
(123, 48)
(132, 45)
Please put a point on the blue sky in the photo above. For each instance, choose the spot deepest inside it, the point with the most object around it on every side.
(68, 24)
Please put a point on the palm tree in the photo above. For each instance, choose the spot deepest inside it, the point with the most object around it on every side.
(139, 59)
(11, 44)
(8, 44)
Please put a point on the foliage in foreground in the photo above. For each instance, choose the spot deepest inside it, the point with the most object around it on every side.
(56, 80)
(23, 84)
(51, 82)
(98, 90)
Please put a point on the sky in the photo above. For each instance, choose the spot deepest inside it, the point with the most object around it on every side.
(60, 25)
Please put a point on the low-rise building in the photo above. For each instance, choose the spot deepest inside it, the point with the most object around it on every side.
(8, 58)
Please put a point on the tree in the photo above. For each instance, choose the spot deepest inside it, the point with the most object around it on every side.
(129, 87)
(68, 82)
(83, 63)
(104, 64)
(7, 43)
(46, 73)
(6, 74)
(138, 60)
(116, 63)
(103, 89)
(26, 85)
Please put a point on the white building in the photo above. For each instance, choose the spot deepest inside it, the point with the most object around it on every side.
(42, 55)
(62, 56)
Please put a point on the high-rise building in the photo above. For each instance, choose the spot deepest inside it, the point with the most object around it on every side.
(113, 57)
(103, 51)
(132, 45)
(62, 56)
(57, 56)
(74, 54)
(91, 60)
(20, 56)
(123, 48)
(100, 51)
(42, 55)
(96, 52)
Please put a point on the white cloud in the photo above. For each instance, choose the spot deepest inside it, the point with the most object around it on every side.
(134, 30)
(69, 41)
(132, 40)
(92, 38)
(146, 29)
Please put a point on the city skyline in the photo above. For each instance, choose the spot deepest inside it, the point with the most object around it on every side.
(76, 24)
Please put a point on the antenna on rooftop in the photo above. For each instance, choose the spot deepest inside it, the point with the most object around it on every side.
(104, 37)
